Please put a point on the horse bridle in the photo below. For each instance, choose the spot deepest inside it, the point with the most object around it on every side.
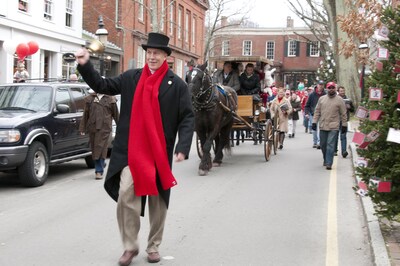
(209, 103)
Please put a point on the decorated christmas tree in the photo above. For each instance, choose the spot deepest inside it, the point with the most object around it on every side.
(383, 153)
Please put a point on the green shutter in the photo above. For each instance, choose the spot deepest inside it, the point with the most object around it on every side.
(285, 49)
(297, 48)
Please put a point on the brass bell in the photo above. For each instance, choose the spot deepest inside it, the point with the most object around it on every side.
(96, 46)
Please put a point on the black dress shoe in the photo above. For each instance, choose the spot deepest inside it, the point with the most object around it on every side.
(328, 167)
(344, 154)
(127, 257)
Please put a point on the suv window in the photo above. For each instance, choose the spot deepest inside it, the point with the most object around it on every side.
(62, 97)
(78, 94)
(34, 98)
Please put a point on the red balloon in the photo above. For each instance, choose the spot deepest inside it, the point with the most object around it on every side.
(33, 47)
(22, 50)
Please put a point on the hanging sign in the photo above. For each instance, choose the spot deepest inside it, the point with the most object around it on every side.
(383, 53)
(375, 94)
(361, 112)
(375, 115)
(393, 135)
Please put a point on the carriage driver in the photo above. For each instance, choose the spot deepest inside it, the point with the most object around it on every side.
(227, 77)
(141, 159)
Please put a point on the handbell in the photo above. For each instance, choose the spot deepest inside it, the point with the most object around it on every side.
(96, 46)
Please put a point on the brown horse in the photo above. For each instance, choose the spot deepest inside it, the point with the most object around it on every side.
(214, 106)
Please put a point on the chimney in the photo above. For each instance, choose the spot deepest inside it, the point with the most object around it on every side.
(289, 22)
(224, 21)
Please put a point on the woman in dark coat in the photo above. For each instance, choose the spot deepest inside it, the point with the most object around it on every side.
(295, 102)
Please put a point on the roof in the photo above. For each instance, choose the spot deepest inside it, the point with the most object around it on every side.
(253, 58)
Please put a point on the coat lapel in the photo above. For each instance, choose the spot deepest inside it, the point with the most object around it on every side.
(167, 83)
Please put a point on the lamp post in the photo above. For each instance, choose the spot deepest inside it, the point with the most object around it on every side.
(362, 47)
(102, 33)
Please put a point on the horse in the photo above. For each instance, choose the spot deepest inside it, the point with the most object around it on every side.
(214, 106)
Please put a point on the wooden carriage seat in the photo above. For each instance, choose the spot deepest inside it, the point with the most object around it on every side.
(245, 105)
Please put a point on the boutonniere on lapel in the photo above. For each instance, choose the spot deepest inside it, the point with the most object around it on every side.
(169, 82)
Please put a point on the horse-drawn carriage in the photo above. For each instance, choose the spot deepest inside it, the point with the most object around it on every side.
(219, 110)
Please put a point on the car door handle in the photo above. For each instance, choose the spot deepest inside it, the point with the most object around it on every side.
(73, 120)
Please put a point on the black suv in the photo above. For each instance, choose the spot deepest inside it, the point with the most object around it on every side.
(39, 126)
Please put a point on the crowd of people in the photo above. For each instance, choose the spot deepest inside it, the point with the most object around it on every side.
(140, 165)
(323, 107)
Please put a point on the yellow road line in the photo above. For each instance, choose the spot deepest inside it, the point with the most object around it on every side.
(332, 256)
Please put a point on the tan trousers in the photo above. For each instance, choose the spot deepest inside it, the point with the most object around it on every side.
(128, 215)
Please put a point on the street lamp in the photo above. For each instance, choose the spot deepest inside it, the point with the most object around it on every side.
(362, 47)
(102, 33)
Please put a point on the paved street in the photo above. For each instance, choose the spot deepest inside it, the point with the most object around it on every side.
(288, 211)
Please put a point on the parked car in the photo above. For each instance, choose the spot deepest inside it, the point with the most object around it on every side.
(39, 126)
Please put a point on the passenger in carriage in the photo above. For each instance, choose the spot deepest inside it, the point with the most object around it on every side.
(227, 77)
(250, 83)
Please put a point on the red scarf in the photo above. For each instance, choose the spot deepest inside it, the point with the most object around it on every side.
(147, 149)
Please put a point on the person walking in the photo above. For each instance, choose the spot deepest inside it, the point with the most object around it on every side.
(350, 108)
(100, 110)
(294, 115)
(281, 106)
(304, 98)
(155, 107)
(329, 112)
(310, 108)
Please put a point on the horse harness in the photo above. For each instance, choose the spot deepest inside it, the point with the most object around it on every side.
(211, 96)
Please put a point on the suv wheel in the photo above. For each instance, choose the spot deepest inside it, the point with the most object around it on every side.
(34, 171)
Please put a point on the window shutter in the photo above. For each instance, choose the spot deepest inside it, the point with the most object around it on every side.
(285, 49)
(297, 48)
(308, 49)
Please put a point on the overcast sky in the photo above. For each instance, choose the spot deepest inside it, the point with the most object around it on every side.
(270, 13)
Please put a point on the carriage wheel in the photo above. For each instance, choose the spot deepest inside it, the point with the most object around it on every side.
(268, 140)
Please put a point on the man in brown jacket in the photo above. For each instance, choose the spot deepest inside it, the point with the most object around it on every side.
(100, 110)
(329, 112)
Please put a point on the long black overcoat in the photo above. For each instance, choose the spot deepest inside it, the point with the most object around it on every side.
(176, 113)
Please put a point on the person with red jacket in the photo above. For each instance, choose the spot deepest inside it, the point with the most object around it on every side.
(303, 101)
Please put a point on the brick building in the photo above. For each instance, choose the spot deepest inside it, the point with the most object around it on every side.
(129, 22)
(294, 52)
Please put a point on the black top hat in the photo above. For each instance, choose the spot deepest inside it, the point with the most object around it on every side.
(158, 41)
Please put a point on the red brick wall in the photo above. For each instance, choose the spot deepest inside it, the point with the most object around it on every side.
(135, 31)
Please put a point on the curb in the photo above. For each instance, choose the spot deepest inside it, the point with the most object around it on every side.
(379, 250)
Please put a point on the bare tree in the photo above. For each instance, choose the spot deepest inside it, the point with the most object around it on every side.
(321, 18)
(220, 10)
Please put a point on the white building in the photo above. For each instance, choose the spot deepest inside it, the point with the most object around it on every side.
(56, 26)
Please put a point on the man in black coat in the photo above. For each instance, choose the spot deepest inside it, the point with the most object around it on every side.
(143, 149)
(310, 108)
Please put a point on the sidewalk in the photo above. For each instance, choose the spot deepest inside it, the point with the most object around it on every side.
(384, 235)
